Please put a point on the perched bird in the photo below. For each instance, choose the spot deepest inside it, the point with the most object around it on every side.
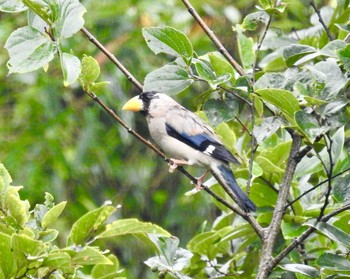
(186, 137)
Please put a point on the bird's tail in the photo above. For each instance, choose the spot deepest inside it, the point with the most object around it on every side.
(225, 174)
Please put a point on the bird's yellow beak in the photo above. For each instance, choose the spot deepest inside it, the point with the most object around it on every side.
(134, 104)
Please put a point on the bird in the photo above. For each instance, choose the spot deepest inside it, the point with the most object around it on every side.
(188, 139)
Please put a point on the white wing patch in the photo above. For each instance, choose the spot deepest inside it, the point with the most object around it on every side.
(209, 150)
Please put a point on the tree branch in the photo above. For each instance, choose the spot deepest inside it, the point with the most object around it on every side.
(320, 19)
(213, 38)
(265, 266)
(111, 57)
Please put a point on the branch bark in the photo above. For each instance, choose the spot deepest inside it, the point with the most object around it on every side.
(265, 266)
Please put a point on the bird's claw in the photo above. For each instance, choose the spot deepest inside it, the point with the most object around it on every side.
(172, 167)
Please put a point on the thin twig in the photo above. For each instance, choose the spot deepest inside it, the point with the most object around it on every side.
(213, 37)
(314, 187)
(320, 19)
(329, 172)
(111, 57)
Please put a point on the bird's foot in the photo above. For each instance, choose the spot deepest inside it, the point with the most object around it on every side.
(200, 180)
(174, 163)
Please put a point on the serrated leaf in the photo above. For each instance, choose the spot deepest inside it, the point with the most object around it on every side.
(70, 18)
(52, 215)
(341, 189)
(16, 208)
(131, 226)
(48, 235)
(26, 246)
(90, 71)
(220, 65)
(5, 178)
(295, 52)
(170, 79)
(218, 110)
(332, 261)
(245, 49)
(29, 50)
(282, 99)
(204, 70)
(71, 68)
(90, 256)
(251, 21)
(309, 125)
(58, 260)
(170, 41)
(266, 128)
(12, 6)
(86, 226)
(107, 271)
(302, 269)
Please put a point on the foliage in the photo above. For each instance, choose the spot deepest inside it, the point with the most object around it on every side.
(295, 85)
(28, 239)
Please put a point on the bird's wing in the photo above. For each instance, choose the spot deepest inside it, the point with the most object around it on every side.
(188, 128)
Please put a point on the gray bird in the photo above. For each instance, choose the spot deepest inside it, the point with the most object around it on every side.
(186, 137)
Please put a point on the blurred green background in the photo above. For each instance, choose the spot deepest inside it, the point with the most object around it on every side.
(56, 139)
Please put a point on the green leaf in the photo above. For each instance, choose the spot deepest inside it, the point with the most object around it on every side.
(58, 259)
(7, 264)
(344, 56)
(204, 70)
(5, 179)
(208, 243)
(332, 261)
(87, 225)
(25, 246)
(29, 50)
(334, 233)
(90, 256)
(70, 18)
(218, 110)
(48, 235)
(220, 65)
(90, 71)
(293, 53)
(309, 125)
(52, 215)
(266, 128)
(170, 79)
(245, 49)
(12, 6)
(226, 134)
(302, 269)
(107, 271)
(341, 189)
(71, 68)
(131, 226)
(16, 208)
(331, 49)
(251, 21)
(170, 41)
(282, 99)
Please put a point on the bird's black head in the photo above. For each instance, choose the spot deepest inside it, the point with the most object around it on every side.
(146, 98)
